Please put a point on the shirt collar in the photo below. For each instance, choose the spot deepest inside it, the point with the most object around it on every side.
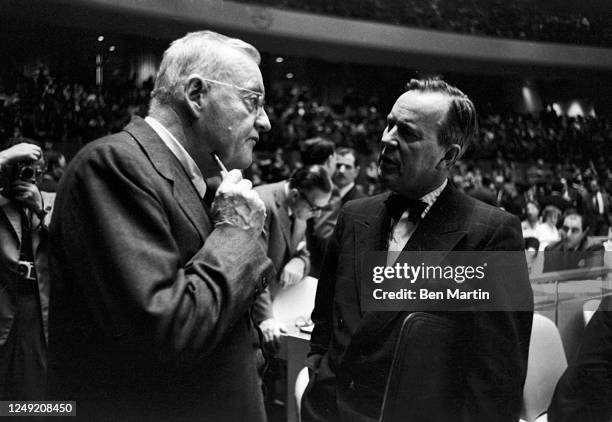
(191, 168)
(430, 198)
(346, 189)
(289, 210)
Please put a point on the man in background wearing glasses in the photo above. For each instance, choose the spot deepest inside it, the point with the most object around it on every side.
(149, 316)
(289, 204)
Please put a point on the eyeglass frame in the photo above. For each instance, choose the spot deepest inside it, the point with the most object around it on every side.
(256, 100)
(313, 208)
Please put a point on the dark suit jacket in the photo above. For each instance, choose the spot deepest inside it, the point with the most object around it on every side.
(584, 392)
(10, 235)
(558, 258)
(351, 350)
(591, 215)
(280, 247)
(320, 229)
(149, 303)
(356, 192)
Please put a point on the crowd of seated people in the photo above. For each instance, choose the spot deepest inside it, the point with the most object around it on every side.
(505, 165)
(50, 109)
(517, 19)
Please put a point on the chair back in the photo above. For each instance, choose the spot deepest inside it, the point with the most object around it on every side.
(545, 366)
(423, 356)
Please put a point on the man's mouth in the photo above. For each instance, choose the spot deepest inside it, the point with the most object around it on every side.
(254, 139)
(386, 162)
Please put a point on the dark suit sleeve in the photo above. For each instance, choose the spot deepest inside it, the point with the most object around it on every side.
(118, 243)
(262, 308)
(322, 315)
(499, 343)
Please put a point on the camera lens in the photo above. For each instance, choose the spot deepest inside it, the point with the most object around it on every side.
(26, 173)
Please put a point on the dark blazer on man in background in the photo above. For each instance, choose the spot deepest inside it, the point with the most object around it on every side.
(149, 313)
(356, 192)
(10, 233)
(280, 245)
(557, 257)
(320, 229)
(352, 350)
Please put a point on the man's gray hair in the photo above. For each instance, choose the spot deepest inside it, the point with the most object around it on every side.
(199, 52)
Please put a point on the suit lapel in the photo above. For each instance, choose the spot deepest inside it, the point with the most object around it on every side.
(371, 232)
(12, 215)
(438, 232)
(171, 169)
(283, 216)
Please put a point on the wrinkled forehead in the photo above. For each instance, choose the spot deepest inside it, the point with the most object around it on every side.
(422, 106)
(243, 70)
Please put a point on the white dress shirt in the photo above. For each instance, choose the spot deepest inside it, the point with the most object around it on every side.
(191, 168)
(403, 229)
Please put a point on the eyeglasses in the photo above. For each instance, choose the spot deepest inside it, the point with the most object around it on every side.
(313, 208)
(255, 99)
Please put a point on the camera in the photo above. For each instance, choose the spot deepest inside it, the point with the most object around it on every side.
(26, 171)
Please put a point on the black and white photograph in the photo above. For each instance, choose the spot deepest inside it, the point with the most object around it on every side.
(306, 211)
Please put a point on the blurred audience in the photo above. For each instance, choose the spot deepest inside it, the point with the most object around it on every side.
(55, 165)
(516, 159)
(547, 232)
(517, 19)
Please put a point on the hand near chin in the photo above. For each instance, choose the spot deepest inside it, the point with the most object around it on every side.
(237, 204)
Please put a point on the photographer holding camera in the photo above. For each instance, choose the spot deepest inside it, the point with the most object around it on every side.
(24, 275)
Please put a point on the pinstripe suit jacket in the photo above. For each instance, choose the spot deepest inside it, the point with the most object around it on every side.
(351, 350)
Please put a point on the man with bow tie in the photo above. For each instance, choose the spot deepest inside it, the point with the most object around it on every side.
(352, 348)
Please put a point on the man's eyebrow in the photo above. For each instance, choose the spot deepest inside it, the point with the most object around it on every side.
(409, 127)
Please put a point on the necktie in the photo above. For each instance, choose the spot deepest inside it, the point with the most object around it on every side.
(397, 204)
(212, 184)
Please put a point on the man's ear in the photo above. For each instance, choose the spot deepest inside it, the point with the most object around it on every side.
(195, 94)
(453, 152)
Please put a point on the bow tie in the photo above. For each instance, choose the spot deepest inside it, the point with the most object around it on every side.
(397, 204)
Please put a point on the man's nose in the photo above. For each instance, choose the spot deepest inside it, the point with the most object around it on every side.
(388, 139)
(262, 122)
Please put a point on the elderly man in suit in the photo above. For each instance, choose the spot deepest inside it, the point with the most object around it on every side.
(352, 348)
(151, 289)
(25, 213)
(289, 204)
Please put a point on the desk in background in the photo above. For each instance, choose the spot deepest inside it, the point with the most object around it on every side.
(290, 305)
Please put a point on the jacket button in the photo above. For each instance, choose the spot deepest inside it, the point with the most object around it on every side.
(256, 291)
(340, 323)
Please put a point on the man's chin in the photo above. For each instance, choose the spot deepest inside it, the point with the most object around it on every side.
(241, 162)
